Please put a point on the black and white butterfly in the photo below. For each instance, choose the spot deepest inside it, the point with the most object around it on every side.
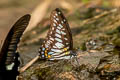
(58, 43)
(9, 57)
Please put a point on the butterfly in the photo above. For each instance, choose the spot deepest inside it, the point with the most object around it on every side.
(9, 62)
(58, 43)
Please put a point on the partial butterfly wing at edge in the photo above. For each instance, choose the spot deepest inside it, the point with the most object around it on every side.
(8, 50)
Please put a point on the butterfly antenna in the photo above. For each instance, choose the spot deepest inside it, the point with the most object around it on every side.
(29, 64)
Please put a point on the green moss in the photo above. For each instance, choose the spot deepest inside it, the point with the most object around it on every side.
(85, 1)
(67, 67)
(83, 47)
(106, 3)
(42, 72)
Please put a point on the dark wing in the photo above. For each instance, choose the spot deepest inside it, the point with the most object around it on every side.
(59, 38)
(8, 50)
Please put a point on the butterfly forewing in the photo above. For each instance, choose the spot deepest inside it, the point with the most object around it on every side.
(59, 38)
(8, 50)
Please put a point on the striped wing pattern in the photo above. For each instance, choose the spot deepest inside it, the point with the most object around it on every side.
(58, 43)
(8, 50)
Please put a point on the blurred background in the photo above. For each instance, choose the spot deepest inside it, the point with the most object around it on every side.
(11, 10)
(88, 19)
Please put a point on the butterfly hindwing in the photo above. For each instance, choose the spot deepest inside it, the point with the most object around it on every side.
(8, 50)
(58, 42)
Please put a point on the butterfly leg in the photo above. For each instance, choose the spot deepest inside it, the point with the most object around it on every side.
(74, 54)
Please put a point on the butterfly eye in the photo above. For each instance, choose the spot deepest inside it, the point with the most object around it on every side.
(59, 41)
